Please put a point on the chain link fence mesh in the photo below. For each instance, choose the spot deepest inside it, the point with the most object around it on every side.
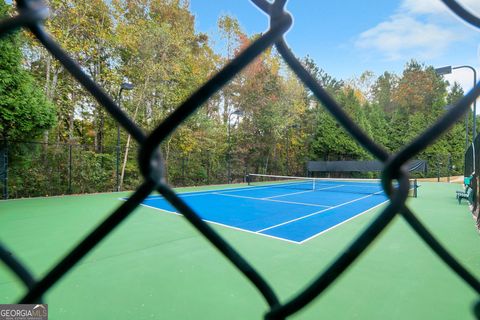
(50, 169)
(32, 13)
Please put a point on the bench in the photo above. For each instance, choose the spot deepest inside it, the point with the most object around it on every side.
(467, 194)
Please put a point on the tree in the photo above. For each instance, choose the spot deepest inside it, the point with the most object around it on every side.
(332, 142)
(24, 110)
(378, 123)
(328, 82)
(419, 89)
(455, 94)
(382, 91)
(161, 35)
(231, 32)
(364, 86)
(415, 101)
(455, 136)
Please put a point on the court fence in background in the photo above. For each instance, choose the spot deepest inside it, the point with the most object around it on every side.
(33, 169)
(31, 16)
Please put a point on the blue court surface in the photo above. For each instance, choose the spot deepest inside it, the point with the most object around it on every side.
(289, 214)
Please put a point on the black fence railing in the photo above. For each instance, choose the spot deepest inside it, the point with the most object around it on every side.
(4, 169)
(32, 13)
(32, 169)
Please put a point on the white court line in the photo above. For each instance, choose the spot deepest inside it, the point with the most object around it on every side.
(272, 200)
(224, 225)
(287, 194)
(203, 193)
(332, 227)
(317, 212)
(206, 192)
(341, 185)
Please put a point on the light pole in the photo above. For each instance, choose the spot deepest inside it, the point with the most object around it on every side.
(448, 70)
(238, 113)
(123, 86)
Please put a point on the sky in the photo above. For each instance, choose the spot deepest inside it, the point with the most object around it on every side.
(347, 37)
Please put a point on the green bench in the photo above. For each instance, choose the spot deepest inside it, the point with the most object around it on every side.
(467, 193)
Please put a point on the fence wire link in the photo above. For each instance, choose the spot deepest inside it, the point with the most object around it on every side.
(32, 13)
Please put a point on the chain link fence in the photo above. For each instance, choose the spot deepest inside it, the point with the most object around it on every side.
(32, 13)
(38, 169)
(51, 169)
(33, 169)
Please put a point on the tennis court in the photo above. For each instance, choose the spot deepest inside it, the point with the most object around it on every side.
(155, 263)
(294, 209)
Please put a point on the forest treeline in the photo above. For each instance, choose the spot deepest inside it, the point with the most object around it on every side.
(264, 121)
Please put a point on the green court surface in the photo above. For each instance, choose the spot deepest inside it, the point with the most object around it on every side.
(156, 266)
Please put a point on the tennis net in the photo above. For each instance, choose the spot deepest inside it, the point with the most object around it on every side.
(354, 185)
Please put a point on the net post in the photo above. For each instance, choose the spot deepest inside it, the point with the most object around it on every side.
(415, 187)
(247, 179)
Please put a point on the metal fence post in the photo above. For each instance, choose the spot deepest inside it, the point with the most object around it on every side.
(438, 168)
(5, 171)
(69, 168)
(117, 156)
(183, 171)
(449, 167)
